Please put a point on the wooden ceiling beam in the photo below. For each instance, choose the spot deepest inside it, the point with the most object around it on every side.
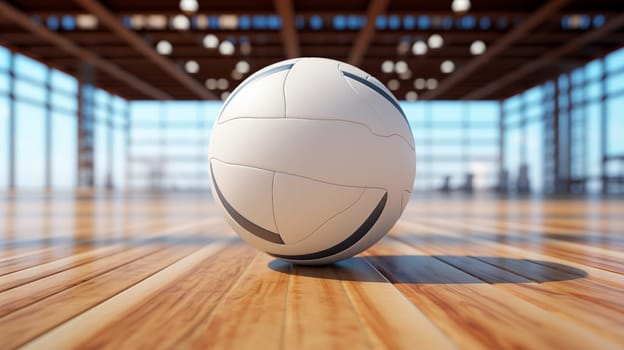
(538, 17)
(547, 59)
(288, 32)
(365, 37)
(135, 41)
(23, 20)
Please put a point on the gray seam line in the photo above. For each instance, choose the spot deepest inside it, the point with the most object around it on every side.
(301, 176)
(325, 119)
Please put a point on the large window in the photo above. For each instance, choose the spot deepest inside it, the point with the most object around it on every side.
(43, 114)
(169, 142)
(455, 140)
(568, 131)
(4, 118)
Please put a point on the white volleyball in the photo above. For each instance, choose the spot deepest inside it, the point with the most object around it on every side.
(312, 160)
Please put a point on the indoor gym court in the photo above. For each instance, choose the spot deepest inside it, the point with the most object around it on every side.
(513, 236)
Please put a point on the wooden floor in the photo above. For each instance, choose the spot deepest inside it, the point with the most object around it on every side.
(167, 272)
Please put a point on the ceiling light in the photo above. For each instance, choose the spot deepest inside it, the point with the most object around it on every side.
(393, 84)
(403, 47)
(225, 95)
(477, 47)
(228, 22)
(226, 48)
(164, 47)
(387, 66)
(191, 67)
(86, 21)
(420, 83)
(419, 48)
(432, 83)
(236, 75)
(401, 67)
(137, 22)
(222, 84)
(447, 67)
(435, 41)
(201, 22)
(411, 96)
(460, 6)
(211, 83)
(406, 75)
(156, 21)
(180, 22)
(189, 5)
(245, 48)
(210, 41)
(242, 67)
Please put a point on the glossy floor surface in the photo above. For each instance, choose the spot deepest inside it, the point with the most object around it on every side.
(103, 271)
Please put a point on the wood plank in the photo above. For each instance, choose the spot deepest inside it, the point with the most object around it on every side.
(589, 288)
(319, 313)
(179, 306)
(454, 273)
(512, 244)
(35, 273)
(71, 274)
(452, 299)
(390, 319)
(79, 329)
(538, 284)
(28, 322)
(258, 300)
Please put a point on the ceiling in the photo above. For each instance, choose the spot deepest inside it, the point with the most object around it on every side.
(527, 41)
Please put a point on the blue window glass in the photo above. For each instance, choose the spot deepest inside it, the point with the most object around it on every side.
(274, 22)
(29, 91)
(30, 69)
(53, 22)
(68, 22)
(64, 150)
(599, 21)
(63, 82)
(485, 23)
(615, 125)
(424, 22)
(340, 22)
(615, 60)
(409, 22)
(4, 141)
(381, 22)
(5, 57)
(394, 22)
(30, 145)
(244, 22)
(316, 22)
(259, 22)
